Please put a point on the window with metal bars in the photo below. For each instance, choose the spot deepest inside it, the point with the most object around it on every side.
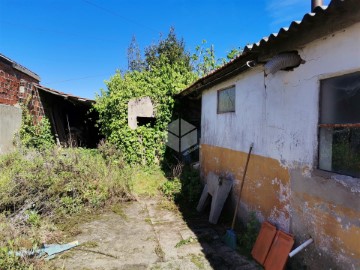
(339, 127)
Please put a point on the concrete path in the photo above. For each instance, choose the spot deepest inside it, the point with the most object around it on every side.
(147, 236)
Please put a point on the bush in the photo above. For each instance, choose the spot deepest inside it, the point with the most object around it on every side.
(248, 237)
(171, 188)
(35, 135)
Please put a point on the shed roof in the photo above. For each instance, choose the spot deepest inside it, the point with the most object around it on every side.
(64, 95)
(323, 21)
(20, 67)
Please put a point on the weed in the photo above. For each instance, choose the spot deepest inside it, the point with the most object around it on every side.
(146, 181)
(118, 209)
(197, 260)
(33, 218)
(171, 188)
(168, 205)
(90, 244)
(247, 238)
(46, 193)
(148, 221)
(185, 242)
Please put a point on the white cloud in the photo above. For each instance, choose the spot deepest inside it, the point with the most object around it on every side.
(282, 12)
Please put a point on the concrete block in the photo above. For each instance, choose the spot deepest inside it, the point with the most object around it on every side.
(139, 107)
(219, 188)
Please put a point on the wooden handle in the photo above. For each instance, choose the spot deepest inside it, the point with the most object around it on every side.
(241, 187)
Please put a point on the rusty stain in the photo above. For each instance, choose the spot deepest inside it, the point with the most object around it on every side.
(279, 251)
(263, 242)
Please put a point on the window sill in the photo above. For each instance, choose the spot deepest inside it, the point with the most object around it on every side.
(347, 181)
(225, 112)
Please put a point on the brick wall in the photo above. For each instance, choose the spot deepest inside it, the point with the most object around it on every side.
(17, 88)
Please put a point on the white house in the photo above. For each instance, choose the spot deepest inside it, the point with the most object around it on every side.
(296, 96)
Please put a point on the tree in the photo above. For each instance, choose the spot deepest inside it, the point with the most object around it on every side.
(135, 61)
(167, 71)
(172, 49)
(204, 59)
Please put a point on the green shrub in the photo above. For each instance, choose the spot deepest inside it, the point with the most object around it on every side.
(247, 237)
(35, 135)
(171, 188)
(191, 185)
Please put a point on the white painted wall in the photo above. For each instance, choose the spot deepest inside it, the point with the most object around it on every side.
(281, 118)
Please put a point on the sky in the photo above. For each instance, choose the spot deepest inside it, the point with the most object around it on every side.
(76, 45)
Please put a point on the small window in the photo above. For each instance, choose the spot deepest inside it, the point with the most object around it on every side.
(226, 100)
(339, 128)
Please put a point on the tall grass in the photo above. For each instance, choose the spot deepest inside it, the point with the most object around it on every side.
(40, 189)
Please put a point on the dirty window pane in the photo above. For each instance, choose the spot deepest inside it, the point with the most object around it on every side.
(340, 150)
(226, 100)
(340, 99)
(339, 133)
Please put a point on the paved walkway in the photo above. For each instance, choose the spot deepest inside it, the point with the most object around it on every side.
(147, 236)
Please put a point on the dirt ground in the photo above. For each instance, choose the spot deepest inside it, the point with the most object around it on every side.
(145, 235)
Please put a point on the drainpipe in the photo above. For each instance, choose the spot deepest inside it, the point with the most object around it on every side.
(315, 4)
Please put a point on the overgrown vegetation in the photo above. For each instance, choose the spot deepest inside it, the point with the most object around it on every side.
(246, 239)
(46, 190)
(35, 135)
(166, 70)
(40, 190)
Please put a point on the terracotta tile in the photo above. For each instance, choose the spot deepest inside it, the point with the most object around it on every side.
(263, 242)
(279, 251)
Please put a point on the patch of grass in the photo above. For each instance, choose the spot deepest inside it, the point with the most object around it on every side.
(197, 260)
(185, 242)
(146, 181)
(90, 244)
(148, 221)
(168, 205)
(119, 210)
(45, 194)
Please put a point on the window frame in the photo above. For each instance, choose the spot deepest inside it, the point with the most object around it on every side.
(323, 172)
(218, 99)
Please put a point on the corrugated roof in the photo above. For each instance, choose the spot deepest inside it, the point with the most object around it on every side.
(323, 21)
(20, 67)
(64, 95)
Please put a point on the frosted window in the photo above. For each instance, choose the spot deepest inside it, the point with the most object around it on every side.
(226, 100)
(339, 134)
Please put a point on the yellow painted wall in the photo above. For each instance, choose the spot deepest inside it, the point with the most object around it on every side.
(266, 188)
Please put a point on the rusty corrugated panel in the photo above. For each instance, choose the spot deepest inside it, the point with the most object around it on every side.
(279, 251)
(263, 242)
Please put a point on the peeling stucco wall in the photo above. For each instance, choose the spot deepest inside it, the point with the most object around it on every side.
(279, 114)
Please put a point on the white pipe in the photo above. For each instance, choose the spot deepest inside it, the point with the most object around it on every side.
(301, 247)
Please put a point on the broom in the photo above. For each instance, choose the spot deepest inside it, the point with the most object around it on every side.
(230, 237)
